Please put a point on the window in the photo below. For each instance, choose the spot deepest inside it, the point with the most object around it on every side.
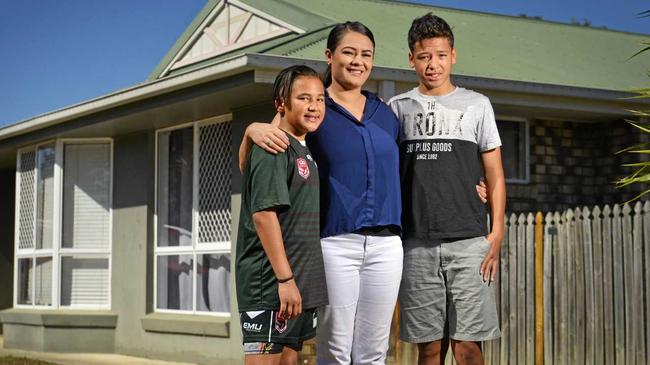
(514, 149)
(193, 218)
(63, 229)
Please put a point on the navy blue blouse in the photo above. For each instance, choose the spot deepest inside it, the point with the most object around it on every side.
(358, 163)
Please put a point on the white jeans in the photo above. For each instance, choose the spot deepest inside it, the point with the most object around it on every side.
(363, 276)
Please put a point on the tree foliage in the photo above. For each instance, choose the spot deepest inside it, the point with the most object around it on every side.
(641, 174)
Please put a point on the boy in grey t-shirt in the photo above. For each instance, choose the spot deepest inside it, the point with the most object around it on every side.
(448, 141)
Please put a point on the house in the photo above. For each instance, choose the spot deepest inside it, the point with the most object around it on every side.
(116, 228)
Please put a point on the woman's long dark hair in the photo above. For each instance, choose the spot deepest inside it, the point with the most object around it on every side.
(335, 36)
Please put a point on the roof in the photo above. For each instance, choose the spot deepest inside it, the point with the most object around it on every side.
(557, 63)
(488, 45)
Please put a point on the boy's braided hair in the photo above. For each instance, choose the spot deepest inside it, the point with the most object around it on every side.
(284, 81)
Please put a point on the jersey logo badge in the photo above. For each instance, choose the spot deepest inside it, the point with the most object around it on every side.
(280, 323)
(303, 168)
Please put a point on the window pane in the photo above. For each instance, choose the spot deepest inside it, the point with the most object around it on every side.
(174, 282)
(84, 281)
(213, 283)
(175, 169)
(44, 196)
(215, 172)
(26, 203)
(513, 150)
(25, 281)
(43, 282)
(86, 195)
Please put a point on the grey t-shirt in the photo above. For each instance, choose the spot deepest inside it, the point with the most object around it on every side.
(441, 141)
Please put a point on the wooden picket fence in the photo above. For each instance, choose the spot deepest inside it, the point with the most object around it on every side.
(573, 288)
(593, 288)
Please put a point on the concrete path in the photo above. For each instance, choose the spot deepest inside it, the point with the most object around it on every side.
(83, 359)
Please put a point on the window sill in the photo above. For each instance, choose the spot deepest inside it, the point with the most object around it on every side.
(191, 324)
(518, 181)
(59, 318)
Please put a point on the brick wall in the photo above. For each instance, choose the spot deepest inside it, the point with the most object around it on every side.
(574, 164)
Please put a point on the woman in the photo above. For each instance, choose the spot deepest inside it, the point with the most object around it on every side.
(358, 160)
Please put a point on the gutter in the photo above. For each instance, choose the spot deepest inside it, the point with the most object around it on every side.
(475, 82)
(242, 63)
(129, 95)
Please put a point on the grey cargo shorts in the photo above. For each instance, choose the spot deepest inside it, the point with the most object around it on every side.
(442, 294)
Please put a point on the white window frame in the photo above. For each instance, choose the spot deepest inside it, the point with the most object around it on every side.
(526, 148)
(196, 248)
(56, 252)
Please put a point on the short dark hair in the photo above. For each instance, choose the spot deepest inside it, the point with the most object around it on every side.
(335, 36)
(429, 26)
(286, 78)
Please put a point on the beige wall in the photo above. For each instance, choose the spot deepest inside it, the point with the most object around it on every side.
(7, 191)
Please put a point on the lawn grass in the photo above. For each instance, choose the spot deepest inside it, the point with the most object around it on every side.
(10, 360)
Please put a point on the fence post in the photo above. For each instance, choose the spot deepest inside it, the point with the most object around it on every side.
(628, 286)
(521, 357)
(539, 289)
(512, 290)
(646, 235)
(561, 281)
(550, 274)
(600, 280)
(504, 302)
(579, 254)
(590, 298)
(619, 286)
(638, 297)
(530, 289)
(571, 273)
(646, 250)
(608, 287)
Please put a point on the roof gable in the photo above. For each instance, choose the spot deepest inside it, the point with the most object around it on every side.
(229, 26)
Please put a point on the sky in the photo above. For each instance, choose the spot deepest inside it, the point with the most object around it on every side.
(57, 53)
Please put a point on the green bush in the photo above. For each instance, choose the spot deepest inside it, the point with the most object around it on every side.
(641, 174)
